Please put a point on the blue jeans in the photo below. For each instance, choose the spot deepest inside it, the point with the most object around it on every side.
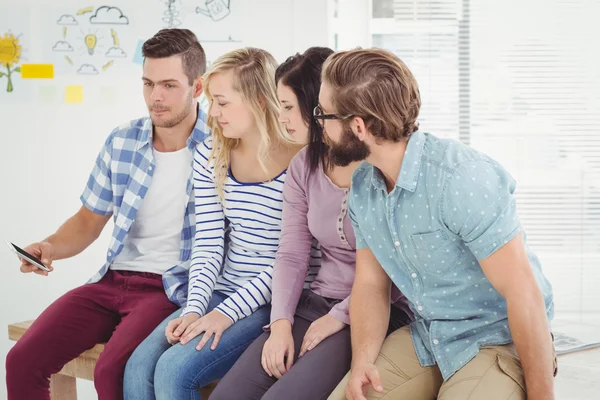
(158, 370)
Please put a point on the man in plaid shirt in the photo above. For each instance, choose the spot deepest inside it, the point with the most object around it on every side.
(142, 178)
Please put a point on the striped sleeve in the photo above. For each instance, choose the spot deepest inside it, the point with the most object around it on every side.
(254, 294)
(208, 247)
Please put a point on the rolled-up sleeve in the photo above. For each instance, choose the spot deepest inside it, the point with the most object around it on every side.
(479, 206)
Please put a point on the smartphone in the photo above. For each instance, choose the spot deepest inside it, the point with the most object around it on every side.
(27, 257)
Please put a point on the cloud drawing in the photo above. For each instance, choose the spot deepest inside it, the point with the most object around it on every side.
(116, 52)
(87, 69)
(67, 19)
(109, 15)
(62, 46)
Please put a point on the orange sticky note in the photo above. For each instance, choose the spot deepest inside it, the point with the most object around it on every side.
(74, 94)
(37, 71)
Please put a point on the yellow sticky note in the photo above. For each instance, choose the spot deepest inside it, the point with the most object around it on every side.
(74, 94)
(37, 71)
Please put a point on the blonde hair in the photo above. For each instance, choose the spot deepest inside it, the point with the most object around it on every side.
(378, 87)
(254, 77)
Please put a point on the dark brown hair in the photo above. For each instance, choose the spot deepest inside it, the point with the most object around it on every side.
(378, 87)
(178, 42)
(302, 74)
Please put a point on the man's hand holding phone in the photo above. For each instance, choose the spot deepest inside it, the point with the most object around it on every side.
(44, 252)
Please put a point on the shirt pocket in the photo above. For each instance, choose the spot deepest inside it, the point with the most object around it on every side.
(436, 253)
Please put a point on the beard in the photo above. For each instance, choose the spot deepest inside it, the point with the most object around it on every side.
(348, 150)
(170, 123)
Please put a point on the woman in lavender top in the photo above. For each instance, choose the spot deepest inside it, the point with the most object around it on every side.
(309, 338)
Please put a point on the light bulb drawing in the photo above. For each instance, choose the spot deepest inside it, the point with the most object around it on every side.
(92, 51)
(90, 42)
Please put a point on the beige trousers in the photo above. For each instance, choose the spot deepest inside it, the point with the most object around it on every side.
(495, 373)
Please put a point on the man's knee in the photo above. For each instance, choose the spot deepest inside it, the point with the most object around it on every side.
(22, 362)
(16, 363)
(495, 373)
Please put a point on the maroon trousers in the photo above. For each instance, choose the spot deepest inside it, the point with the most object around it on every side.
(121, 310)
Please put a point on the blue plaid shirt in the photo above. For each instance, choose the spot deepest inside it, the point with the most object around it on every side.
(120, 180)
(450, 208)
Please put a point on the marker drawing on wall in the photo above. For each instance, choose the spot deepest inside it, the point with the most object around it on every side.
(87, 69)
(90, 43)
(67, 19)
(218, 22)
(62, 45)
(10, 56)
(85, 10)
(172, 15)
(107, 65)
(229, 40)
(215, 9)
(109, 15)
(115, 51)
(16, 86)
(92, 38)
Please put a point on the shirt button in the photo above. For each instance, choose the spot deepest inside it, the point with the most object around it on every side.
(420, 308)
(150, 168)
(396, 243)
(109, 253)
(414, 275)
(435, 341)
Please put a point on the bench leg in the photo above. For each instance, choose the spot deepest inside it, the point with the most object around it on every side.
(63, 387)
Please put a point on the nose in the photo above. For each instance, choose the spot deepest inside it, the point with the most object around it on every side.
(156, 94)
(214, 110)
(283, 119)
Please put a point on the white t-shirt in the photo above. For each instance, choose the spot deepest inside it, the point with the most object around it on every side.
(153, 242)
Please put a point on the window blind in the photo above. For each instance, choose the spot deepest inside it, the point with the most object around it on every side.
(520, 81)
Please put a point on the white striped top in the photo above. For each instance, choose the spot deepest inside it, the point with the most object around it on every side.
(245, 229)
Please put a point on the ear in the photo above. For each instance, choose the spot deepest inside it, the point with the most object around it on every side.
(359, 128)
(198, 87)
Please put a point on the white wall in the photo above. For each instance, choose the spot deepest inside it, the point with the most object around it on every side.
(48, 147)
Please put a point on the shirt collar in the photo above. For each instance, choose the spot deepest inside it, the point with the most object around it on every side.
(411, 165)
(199, 133)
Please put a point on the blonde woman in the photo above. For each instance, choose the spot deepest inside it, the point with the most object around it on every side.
(239, 174)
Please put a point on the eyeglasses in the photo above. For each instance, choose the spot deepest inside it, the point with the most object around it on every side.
(320, 117)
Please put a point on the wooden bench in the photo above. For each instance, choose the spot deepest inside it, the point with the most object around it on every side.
(577, 372)
(62, 385)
